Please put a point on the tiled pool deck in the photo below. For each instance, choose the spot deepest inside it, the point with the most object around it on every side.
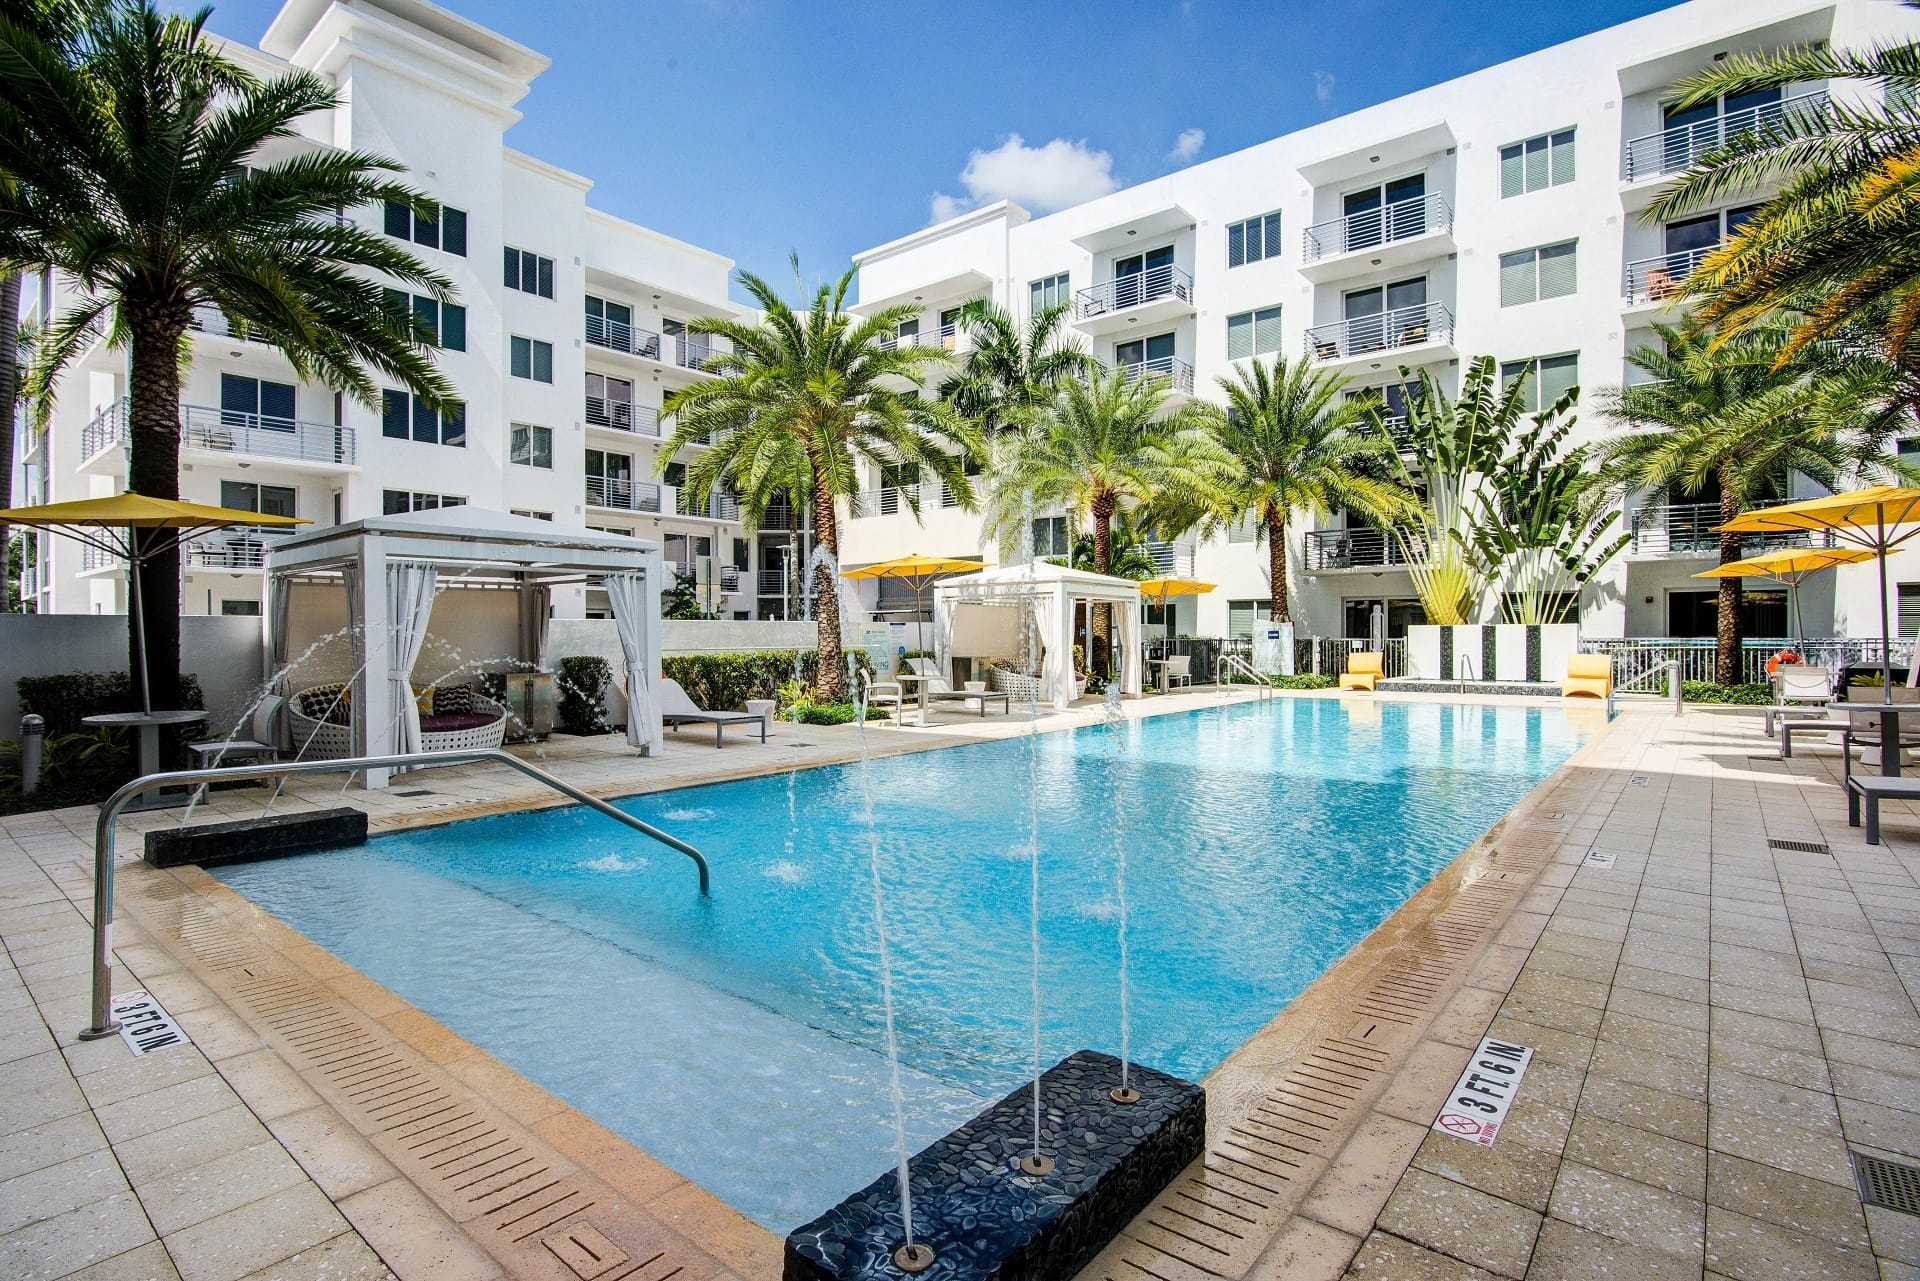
(1715, 1022)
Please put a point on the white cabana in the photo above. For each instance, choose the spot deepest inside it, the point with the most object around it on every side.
(984, 615)
(392, 567)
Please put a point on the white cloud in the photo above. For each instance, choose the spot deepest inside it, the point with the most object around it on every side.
(1051, 176)
(1323, 87)
(1187, 145)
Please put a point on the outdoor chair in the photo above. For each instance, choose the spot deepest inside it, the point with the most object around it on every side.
(939, 690)
(676, 709)
(262, 743)
(1364, 670)
(1177, 668)
(1588, 676)
(884, 694)
(1799, 687)
(1868, 790)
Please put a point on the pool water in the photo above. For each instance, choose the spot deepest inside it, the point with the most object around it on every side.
(738, 1038)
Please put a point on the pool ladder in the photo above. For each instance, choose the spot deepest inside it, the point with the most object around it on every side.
(1239, 666)
(103, 1024)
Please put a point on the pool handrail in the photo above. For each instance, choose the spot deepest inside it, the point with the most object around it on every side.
(103, 1023)
(1241, 667)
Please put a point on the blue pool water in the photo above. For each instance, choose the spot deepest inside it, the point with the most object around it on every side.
(738, 1038)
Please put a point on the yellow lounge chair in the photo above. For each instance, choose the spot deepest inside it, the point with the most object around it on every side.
(1588, 676)
(1364, 670)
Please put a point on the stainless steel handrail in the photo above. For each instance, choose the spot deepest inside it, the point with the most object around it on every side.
(1670, 669)
(103, 1024)
(1241, 667)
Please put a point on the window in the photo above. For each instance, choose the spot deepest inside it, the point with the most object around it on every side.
(531, 446)
(609, 402)
(1253, 240)
(409, 417)
(1536, 164)
(1253, 333)
(240, 609)
(1532, 275)
(445, 323)
(1052, 536)
(1385, 211)
(255, 402)
(1243, 614)
(1909, 608)
(532, 358)
(1153, 355)
(529, 272)
(268, 500)
(1548, 378)
(1048, 291)
(436, 227)
(531, 515)
(398, 502)
(610, 324)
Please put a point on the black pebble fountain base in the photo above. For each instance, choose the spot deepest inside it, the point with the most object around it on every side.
(984, 1219)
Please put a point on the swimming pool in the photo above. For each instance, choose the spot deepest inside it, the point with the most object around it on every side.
(738, 1039)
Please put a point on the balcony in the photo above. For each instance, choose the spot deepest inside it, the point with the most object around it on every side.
(1159, 293)
(717, 506)
(725, 577)
(942, 338)
(681, 351)
(227, 431)
(1338, 549)
(1171, 560)
(894, 499)
(1687, 529)
(1653, 282)
(1672, 150)
(1377, 239)
(773, 582)
(108, 428)
(1177, 372)
(623, 495)
(231, 549)
(623, 415)
(94, 560)
(1422, 331)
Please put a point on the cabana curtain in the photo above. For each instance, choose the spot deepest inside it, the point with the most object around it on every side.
(410, 589)
(627, 593)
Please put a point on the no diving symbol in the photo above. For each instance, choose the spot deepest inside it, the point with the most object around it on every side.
(1462, 1125)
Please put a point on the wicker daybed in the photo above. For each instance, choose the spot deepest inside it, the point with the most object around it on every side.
(462, 718)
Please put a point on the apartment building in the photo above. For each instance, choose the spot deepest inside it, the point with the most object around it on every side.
(571, 326)
(1497, 214)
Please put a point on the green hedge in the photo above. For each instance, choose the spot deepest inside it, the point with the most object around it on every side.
(721, 682)
(1758, 694)
(583, 685)
(82, 764)
(62, 701)
(1305, 680)
(812, 713)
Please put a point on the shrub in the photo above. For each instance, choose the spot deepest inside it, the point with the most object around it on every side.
(1750, 695)
(62, 701)
(808, 712)
(719, 682)
(583, 687)
(1305, 680)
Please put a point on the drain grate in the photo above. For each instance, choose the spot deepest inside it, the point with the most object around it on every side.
(1800, 847)
(1887, 1183)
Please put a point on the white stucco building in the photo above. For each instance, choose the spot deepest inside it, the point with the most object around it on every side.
(568, 333)
(1497, 214)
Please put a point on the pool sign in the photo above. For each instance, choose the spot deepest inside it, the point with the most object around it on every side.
(144, 1025)
(1596, 858)
(1479, 1102)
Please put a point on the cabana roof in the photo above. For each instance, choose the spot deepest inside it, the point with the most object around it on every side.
(490, 542)
(1042, 576)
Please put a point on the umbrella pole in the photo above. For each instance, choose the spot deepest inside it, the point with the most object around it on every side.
(139, 618)
(1886, 640)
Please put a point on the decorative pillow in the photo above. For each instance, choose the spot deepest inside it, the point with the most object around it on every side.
(423, 700)
(452, 700)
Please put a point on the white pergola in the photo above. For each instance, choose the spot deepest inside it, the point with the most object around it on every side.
(983, 616)
(391, 567)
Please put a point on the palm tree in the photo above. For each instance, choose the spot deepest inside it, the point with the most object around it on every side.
(1738, 414)
(1102, 447)
(1844, 230)
(804, 400)
(1302, 445)
(130, 157)
(1010, 372)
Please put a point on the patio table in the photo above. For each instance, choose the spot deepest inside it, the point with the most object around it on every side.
(915, 678)
(148, 726)
(1889, 714)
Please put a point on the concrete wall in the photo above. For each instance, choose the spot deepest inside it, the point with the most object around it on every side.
(224, 653)
(569, 636)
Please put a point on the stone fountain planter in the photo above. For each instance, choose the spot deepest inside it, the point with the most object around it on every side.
(1492, 653)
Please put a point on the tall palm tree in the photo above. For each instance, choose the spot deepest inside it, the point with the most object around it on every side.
(817, 394)
(1844, 229)
(1011, 371)
(1104, 446)
(1302, 445)
(131, 160)
(1740, 413)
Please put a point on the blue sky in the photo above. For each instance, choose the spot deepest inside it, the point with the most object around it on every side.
(755, 127)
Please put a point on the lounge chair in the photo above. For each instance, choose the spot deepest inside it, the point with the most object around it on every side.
(1364, 670)
(1799, 688)
(676, 709)
(938, 690)
(1588, 676)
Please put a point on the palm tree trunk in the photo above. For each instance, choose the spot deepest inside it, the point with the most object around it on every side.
(1726, 658)
(9, 394)
(830, 678)
(153, 469)
(1100, 622)
(1277, 564)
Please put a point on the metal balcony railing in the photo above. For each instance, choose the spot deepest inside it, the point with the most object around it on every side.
(1352, 549)
(108, 428)
(623, 336)
(231, 432)
(231, 549)
(1136, 290)
(777, 518)
(690, 351)
(725, 577)
(1680, 147)
(1171, 560)
(773, 582)
(1687, 529)
(1427, 322)
(1657, 279)
(1371, 228)
(211, 320)
(894, 499)
(717, 506)
(93, 558)
(622, 494)
(1177, 372)
(943, 338)
(623, 415)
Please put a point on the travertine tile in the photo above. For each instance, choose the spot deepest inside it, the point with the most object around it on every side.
(1453, 1219)
(1628, 1210)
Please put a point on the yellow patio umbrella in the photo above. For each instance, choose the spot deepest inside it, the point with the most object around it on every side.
(919, 573)
(1870, 519)
(114, 525)
(1790, 566)
(1161, 588)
